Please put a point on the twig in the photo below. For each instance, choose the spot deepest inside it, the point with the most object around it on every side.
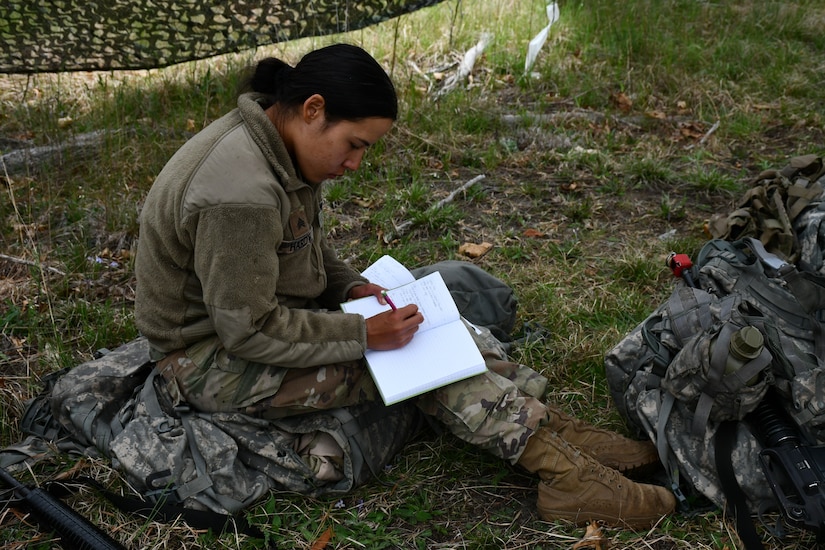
(402, 228)
(453, 195)
(32, 264)
(709, 132)
(564, 116)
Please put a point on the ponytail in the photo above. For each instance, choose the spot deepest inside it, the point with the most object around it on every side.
(268, 77)
(352, 83)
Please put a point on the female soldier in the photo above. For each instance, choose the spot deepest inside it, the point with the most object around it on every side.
(235, 280)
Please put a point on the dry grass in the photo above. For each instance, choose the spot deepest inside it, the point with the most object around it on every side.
(581, 200)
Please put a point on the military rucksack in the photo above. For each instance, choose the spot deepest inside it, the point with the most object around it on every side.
(668, 376)
(180, 459)
(672, 379)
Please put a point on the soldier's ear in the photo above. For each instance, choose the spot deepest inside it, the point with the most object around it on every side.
(313, 108)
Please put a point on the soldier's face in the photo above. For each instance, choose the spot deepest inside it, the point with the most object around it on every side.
(327, 151)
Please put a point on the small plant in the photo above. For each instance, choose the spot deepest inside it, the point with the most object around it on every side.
(713, 180)
(337, 192)
(649, 171)
(671, 209)
(637, 270)
(579, 209)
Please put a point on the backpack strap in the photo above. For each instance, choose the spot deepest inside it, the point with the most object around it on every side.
(365, 427)
(665, 456)
(723, 448)
(161, 510)
(662, 356)
(352, 429)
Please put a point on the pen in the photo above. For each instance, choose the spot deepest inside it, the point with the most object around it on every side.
(387, 298)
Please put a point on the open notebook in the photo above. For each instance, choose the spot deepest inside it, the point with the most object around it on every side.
(441, 352)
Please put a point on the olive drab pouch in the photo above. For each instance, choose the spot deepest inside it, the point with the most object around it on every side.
(771, 209)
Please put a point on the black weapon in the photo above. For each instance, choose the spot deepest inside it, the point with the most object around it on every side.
(75, 531)
(793, 470)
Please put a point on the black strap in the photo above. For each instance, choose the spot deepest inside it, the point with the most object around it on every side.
(723, 442)
(161, 511)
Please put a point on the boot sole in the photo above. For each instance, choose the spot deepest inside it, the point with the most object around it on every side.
(581, 519)
(597, 510)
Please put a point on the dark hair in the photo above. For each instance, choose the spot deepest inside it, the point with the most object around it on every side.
(353, 84)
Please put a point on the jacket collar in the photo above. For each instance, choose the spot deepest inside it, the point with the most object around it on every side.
(266, 136)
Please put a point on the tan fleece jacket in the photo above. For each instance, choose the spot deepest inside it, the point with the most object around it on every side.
(231, 245)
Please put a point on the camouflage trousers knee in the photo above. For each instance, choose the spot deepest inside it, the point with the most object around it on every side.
(496, 411)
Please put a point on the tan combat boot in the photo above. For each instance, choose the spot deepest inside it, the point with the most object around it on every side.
(613, 450)
(576, 488)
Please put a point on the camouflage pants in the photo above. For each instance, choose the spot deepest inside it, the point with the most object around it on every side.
(497, 410)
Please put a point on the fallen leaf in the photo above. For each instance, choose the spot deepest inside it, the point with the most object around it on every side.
(593, 538)
(656, 114)
(322, 541)
(473, 250)
(190, 125)
(534, 233)
(706, 229)
(691, 130)
(623, 102)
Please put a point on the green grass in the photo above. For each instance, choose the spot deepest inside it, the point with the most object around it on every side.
(583, 198)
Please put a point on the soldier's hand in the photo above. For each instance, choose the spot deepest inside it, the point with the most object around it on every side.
(393, 329)
(369, 289)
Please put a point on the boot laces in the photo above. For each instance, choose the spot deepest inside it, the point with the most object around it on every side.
(608, 475)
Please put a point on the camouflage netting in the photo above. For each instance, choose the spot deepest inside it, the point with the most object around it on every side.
(78, 35)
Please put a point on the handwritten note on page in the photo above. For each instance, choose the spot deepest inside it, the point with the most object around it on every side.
(441, 352)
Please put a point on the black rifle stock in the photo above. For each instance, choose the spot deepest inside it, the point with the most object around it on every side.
(74, 530)
(793, 470)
